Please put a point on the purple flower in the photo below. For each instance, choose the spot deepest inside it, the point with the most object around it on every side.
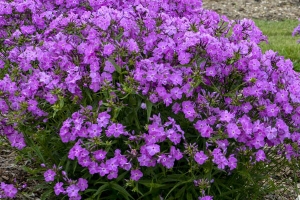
(93, 167)
(203, 128)
(72, 190)
(94, 130)
(219, 158)
(161, 91)
(103, 169)
(254, 64)
(258, 141)
(132, 45)
(99, 154)
(176, 78)
(211, 71)
(260, 155)
(115, 129)
(281, 96)
(233, 130)
(206, 198)
(82, 184)
(109, 67)
(175, 153)
(103, 119)
(173, 136)
(184, 58)
(58, 188)
(176, 93)
(146, 160)
(49, 175)
(287, 108)
(223, 144)
(281, 125)
(271, 133)
(16, 140)
(166, 160)
(200, 157)
(143, 106)
(272, 110)
(136, 174)
(246, 107)
(152, 149)
(26, 30)
(232, 162)
(84, 161)
(188, 110)
(112, 164)
(226, 116)
(112, 175)
(2, 64)
(108, 49)
(9, 190)
(176, 108)
(296, 118)
(75, 151)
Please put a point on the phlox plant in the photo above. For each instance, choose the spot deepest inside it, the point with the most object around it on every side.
(143, 99)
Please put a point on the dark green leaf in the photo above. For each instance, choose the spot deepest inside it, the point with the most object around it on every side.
(150, 184)
(120, 189)
(149, 109)
(100, 190)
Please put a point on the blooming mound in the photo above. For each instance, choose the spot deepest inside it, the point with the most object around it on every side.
(137, 93)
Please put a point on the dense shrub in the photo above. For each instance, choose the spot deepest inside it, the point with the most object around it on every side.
(143, 99)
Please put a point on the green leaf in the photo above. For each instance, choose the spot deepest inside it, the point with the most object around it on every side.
(117, 67)
(149, 184)
(90, 190)
(100, 190)
(149, 109)
(189, 196)
(35, 148)
(120, 177)
(46, 194)
(120, 189)
(180, 193)
(119, 36)
(61, 103)
(177, 185)
(89, 94)
(174, 178)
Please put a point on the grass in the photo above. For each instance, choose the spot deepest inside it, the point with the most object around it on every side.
(281, 40)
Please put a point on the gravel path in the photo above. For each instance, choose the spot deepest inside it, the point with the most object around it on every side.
(256, 9)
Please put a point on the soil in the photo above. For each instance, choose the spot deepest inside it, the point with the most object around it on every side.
(255, 9)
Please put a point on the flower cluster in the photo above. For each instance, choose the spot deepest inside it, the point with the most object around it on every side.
(73, 187)
(211, 92)
(91, 136)
(7, 191)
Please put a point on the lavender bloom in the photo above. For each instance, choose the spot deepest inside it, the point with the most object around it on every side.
(49, 175)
